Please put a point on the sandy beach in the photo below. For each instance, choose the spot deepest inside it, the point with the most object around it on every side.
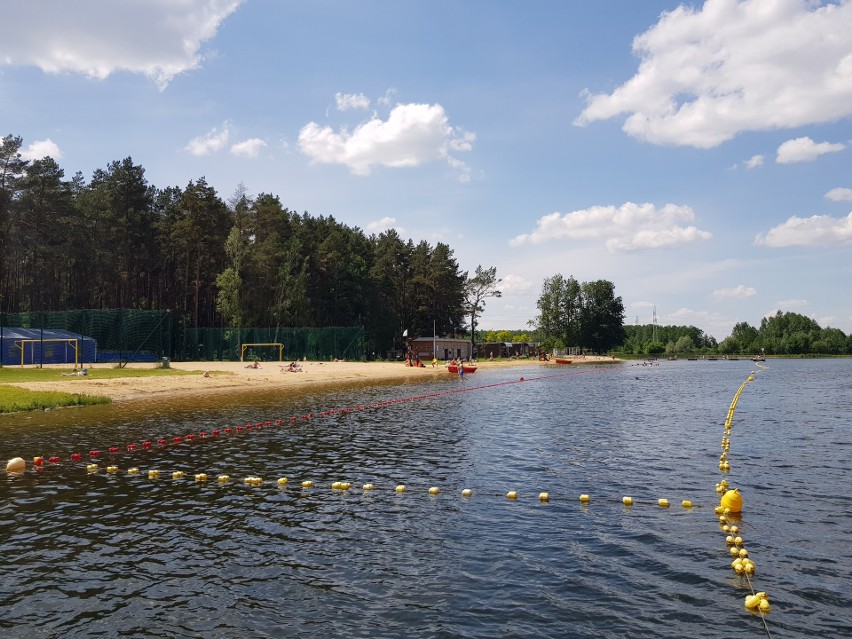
(235, 376)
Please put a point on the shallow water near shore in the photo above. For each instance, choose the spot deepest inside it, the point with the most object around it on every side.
(108, 555)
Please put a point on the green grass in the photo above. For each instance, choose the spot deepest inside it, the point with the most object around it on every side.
(14, 399)
(15, 374)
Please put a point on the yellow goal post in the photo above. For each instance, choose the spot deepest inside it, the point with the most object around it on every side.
(73, 342)
(280, 346)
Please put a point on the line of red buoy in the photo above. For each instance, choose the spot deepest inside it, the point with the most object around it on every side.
(178, 439)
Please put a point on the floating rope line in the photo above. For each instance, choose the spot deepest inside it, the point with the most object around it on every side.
(728, 511)
(282, 483)
(161, 442)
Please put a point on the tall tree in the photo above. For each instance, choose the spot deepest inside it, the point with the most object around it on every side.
(602, 323)
(477, 289)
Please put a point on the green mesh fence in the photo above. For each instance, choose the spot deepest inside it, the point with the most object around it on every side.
(123, 335)
(210, 344)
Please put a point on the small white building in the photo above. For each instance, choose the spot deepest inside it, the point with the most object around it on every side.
(444, 348)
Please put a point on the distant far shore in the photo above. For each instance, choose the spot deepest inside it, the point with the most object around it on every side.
(223, 377)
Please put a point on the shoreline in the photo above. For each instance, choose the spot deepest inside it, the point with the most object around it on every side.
(223, 377)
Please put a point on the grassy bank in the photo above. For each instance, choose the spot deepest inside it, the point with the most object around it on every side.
(14, 399)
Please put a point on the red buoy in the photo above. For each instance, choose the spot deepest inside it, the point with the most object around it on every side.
(76, 457)
(131, 446)
(53, 460)
(215, 433)
(162, 442)
(94, 453)
(38, 461)
(146, 444)
(113, 449)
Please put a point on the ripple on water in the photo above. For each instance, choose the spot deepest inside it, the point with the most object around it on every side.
(123, 555)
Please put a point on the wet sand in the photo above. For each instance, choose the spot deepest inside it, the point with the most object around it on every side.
(236, 376)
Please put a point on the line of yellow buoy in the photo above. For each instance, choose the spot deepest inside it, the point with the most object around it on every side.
(729, 510)
(283, 482)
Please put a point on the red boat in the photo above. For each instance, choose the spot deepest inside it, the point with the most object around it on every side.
(454, 369)
(560, 360)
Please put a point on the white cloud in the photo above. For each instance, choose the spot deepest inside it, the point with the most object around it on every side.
(709, 73)
(786, 306)
(515, 284)
(804, 150)
(213, 141)
(250, 148)
(839, 195)
(40, 149)
(754, 161)
(738, 292)
(628, 227)
(413, 134)
(387, 222)
(347, 101)
(817, 230)
(157, 38)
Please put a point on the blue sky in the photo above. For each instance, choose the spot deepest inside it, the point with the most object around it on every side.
(697, 155)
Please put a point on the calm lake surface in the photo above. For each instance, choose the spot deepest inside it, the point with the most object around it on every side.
(122, 555)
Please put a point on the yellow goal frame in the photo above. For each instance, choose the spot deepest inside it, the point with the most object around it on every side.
(72, 341)
(280, 346)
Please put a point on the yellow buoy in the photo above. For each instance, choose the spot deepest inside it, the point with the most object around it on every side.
(729, 540)
(282, 481)
(368, 487)
(734, 529)
(153, 474)
(434, 490)
(544, 496)
(16, 465)
(663, 503)
(335, 485)
(400, 488)
(112, 469)
(752, 601)
(92, 468)
(732, 500)
(718, 510)
(764, 606)
(512, 494)
(584, 498)
(627, 501)
(686, 503)
(201, 477)
(133, 471)
(178, 474)
(345, 485)
(307, 484)
(735, 552)
(223, 479)
(738, 541)
(467, 492)
(743, 553)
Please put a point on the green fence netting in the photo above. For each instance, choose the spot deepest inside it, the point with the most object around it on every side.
(127, 335)
(327, 343)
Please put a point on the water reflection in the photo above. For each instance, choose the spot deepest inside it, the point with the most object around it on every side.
(118, 554)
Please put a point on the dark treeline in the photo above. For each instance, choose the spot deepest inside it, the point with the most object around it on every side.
(779, 334)
(120, 242)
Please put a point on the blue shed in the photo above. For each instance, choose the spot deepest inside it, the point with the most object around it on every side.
(49, 346)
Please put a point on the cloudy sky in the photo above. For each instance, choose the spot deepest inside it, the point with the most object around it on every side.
(698, 155)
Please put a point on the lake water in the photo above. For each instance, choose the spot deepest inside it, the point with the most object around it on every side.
(121, 555)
